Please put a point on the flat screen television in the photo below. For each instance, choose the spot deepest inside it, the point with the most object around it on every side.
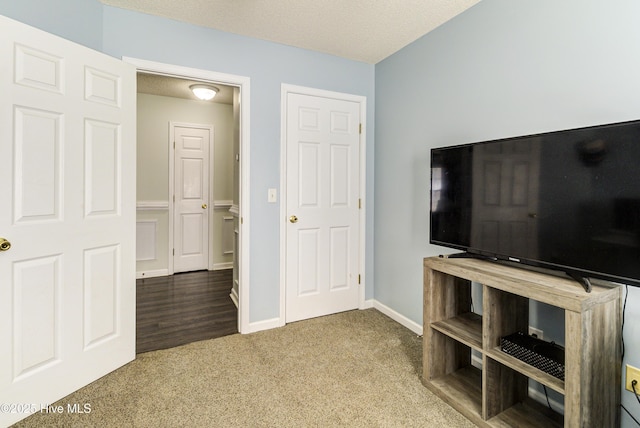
(567, 201)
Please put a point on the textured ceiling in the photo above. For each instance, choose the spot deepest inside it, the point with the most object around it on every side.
(179, 88)
(361, 30)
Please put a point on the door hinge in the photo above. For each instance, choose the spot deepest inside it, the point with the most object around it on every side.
(358, 278)
(360, 129)
(359, 203)
(174, 251)
(174, 198)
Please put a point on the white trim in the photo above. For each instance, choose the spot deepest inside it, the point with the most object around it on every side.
(244, 84)
(234, 296)
(227, 204)
(285, 90)
(152, 273)
(172, 203)
(367, 304)
(152, 205)
(398, 317)
(222, 266)
(272, 323)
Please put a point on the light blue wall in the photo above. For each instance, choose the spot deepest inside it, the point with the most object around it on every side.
(500, 69)
(76, 20)
(268, 65)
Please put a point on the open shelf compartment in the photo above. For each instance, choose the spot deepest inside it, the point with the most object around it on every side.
(451, 375)
(496, 395)
(507, 401)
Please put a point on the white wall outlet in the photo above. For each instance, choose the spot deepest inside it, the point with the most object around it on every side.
(272, 195)
(536, 332)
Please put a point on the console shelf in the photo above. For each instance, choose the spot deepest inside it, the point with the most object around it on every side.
(497, 394)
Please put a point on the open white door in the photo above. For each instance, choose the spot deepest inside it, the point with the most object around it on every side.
(322, 203)
(67, 283)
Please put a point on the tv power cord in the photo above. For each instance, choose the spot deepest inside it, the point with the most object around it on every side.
(633, 386)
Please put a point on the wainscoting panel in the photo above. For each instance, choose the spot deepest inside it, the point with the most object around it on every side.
(146, 238)
(152, 238)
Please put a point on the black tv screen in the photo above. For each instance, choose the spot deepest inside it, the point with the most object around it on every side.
(567, 200)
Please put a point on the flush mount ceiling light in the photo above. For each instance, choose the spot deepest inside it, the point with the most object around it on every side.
(204, 92)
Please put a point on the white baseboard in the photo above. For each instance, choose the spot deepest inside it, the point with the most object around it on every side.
(367, 304)
(399, 318)
(152, 273)
(254, 327)
(221, 266)
(234, 297)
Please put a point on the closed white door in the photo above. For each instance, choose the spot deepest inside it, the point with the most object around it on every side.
(67, 192)
(191, 195)
(322, 200)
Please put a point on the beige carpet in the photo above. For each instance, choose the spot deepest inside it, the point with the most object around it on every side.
(355, 369)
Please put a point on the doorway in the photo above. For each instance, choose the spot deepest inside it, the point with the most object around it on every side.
(234, 207)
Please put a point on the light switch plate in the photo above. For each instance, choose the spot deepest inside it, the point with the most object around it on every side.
(272, 195)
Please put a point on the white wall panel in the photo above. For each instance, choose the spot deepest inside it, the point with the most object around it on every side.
(146, 238)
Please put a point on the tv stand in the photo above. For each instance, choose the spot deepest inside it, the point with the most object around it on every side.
(583, 280)
(493, 390)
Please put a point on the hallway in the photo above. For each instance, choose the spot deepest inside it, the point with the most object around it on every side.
(183, 308)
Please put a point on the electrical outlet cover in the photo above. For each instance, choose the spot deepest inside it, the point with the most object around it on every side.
(536, 332)
(632, 373)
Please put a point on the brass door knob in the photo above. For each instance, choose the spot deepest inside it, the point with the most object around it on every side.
(204, 206)
(293, 219)
(4, 244)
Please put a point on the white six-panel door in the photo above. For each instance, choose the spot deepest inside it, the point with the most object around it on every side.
(322, 197)
(191, 194)
(67, 206)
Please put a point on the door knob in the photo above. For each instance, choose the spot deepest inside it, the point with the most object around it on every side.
(4, 244)
(204, 206)
(293, 219)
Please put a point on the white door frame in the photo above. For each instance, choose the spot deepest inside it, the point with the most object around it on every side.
(172, 203)
(144, 66)
(287, 89)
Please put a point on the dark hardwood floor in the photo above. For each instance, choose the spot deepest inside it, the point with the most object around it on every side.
(183, 308)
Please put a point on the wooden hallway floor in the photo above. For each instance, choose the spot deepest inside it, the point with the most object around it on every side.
(183, 308)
